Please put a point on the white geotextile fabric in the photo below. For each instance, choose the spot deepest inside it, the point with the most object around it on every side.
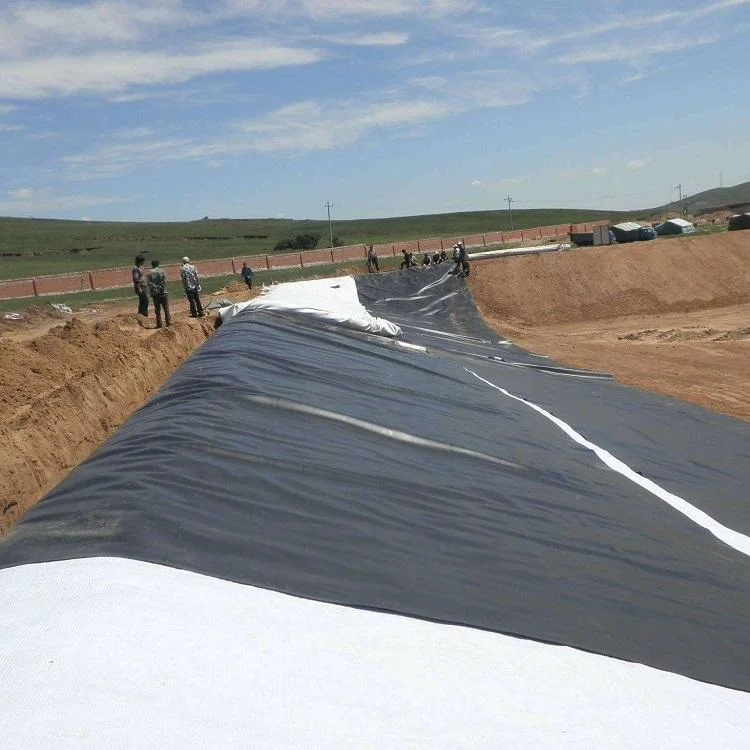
(332, 300)
(115, 653)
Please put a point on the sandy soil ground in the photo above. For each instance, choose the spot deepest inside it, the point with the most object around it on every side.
(670, 316)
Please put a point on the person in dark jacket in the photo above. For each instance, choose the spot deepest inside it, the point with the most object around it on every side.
(140, 286)
(408, 261)
(247, 275)
(157, 287)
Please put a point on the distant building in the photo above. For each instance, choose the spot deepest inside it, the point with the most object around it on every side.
(739, 221)
(627, 231)
(675, 226)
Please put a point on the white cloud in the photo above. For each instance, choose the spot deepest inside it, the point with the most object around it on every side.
(632, 50)
(120, 157)
(637, 163)
(10, 128)
(308, 126)
(116, 71)
(128, 133)
(21, 194)
(380, 39)
(523, 41)
(296, 128)
(312, 126)
(326, 9)
(503, 182)
(30, 24)
(481, 88)
(599, 171)
(29, 201)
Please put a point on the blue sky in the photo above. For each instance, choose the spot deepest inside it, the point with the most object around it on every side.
(176, 109)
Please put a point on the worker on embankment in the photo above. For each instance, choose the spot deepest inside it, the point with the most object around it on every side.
(192, 286)
(157, 287)
(247, 274)
(373, 266)
(461, 259)
(140, 286)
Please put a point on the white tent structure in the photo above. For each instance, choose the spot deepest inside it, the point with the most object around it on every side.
(675, 226)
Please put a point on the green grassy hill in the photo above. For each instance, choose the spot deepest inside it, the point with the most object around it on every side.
(30, 247)
(706, 201)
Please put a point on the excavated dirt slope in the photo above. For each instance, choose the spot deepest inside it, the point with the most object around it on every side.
(670, 316)
(64, 391)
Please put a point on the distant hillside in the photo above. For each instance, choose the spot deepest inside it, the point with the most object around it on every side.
(716, 199)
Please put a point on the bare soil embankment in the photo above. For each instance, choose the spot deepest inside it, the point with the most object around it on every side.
(64, 391)
(669, 316)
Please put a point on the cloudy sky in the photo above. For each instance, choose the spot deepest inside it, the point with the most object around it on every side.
(178, 109)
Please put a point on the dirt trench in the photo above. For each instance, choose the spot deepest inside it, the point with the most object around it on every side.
(64, 392)
(669, 316)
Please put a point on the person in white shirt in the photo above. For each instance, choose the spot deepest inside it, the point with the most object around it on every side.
(191, 285)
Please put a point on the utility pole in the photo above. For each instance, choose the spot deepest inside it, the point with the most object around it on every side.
(329, 206)
(510, 212)
(679, 187)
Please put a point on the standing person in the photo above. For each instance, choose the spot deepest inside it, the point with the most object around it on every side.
(139, 284)
(157, 287)
(464, 258)
(372, 260)
(461, 259)
(247, 275)
(191, 285)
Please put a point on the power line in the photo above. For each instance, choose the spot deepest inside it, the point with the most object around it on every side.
(510, 212)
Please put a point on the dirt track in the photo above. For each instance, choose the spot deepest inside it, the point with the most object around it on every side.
(671, 316)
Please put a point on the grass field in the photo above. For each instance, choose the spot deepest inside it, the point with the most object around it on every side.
(35, 247)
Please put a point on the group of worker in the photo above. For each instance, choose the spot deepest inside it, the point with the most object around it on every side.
(460, 259)
(154, 284)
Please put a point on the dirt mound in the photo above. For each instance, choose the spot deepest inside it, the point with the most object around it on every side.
(31, 315)
(64, 392)
(669, 316)
(233, 287)
(675, 275)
